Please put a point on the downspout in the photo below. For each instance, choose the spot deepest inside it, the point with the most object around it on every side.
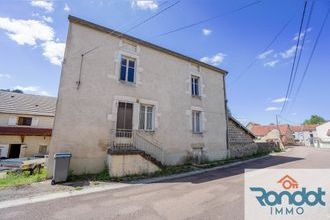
(226, 114)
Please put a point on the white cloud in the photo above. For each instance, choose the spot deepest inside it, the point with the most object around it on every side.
(5, 76)
(301, 35)
(279, 100)
(32, 90)
(268, 109)
(26, 31)
(145, 4)
(34, 32)
(214, 60)
(47, 19)
(271, 63)
(289, 52)
(66, 7)
(47, 5)
(206, 31)
(53, 51)
(264, 54)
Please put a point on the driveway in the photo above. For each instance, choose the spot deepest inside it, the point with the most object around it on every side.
(213, 195)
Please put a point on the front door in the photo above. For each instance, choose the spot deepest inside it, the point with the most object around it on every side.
(14, 151)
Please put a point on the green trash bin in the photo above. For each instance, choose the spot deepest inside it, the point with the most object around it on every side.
(61, 167)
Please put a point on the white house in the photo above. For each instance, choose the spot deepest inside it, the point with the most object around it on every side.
(134, 106)
(26, 123)
(323, 135)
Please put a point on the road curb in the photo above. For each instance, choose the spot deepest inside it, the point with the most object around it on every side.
(52, 196)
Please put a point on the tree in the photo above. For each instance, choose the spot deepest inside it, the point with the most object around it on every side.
(314, 120)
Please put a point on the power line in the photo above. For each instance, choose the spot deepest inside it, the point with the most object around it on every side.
(302, 45)
(264, 50)
(153, 16)
(295, 56)
(208, 19)
(311, 55)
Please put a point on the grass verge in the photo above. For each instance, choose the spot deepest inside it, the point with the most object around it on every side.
(166, 171)
(23, 178)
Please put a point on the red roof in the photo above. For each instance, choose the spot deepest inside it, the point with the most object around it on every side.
(262, 130)
(298, 128)
(25, 131)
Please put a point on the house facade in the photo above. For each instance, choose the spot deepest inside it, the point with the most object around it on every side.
(304, 134)
(133, 106)
(25, 124)
(323, 136)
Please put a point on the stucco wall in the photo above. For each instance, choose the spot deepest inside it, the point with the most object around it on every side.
(323, 140)
(42, 121)
(86, 116)
(30, 144)
(123, 165)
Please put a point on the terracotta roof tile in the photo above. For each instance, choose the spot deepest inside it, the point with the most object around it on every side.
(262, 130)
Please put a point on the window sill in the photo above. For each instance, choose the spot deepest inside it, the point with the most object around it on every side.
(198, 133)
(197, 96)
(127, 83)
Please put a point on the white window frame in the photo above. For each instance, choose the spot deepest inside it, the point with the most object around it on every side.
(194, 114)
(127, 67)
(146, 106)
(192, 86)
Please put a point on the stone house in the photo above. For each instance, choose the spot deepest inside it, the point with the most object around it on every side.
(25, 124)
(133, 106)
(240, 139)
(322, 139)
(304, 134)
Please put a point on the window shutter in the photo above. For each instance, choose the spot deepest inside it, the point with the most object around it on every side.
(35, 122)
(12, 120)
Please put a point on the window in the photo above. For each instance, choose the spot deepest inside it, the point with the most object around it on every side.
(197, 121)
(146, 118)
(27, 121)
(127, 69)
(195, 86)
(43, 149)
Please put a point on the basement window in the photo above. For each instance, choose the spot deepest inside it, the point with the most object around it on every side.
(24, 121)
(127, 69)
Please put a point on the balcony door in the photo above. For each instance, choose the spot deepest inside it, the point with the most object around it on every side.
(125, 117)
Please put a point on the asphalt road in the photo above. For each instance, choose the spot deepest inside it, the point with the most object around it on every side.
(213, 195)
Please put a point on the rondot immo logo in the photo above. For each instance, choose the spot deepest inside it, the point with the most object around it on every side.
(274, 193)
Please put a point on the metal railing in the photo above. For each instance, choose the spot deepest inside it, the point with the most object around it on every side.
(151, 147)
(123, 139)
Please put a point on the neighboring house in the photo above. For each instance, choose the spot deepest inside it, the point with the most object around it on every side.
(273, 133)
(323, 135)
(134, 106)
(240, 139)
(25, 124)
(304, 134)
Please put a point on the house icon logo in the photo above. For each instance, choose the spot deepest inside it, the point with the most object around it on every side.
(288, 182)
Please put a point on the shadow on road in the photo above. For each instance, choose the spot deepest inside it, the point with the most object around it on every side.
(235, 170)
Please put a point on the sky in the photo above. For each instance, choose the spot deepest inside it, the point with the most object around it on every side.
(33, 35)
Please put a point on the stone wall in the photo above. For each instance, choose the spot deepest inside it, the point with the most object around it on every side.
(241, 143)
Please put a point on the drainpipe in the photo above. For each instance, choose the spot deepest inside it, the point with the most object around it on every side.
(226, 114)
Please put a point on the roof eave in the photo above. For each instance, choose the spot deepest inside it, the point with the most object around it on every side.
(80, 21)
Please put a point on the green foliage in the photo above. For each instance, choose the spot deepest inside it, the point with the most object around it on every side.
(22, 178)
(14, 90)
(314, 120)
